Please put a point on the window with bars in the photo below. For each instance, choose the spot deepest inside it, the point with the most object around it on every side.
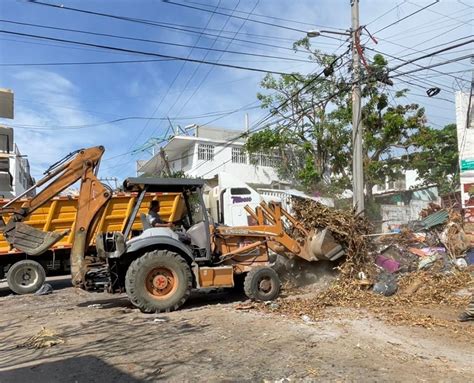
(264, 159)
(206, 152)
(239, 156)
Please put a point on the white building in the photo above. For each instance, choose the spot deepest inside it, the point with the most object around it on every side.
(206, 152)
(402, 200)
(409, 180)
(15, 175)
(465, 131)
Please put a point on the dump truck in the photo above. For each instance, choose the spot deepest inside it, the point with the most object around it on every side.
(27, 273)
(159, 268)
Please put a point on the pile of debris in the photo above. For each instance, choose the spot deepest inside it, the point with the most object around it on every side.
(424, 265)
(348, 229)
(437, 242)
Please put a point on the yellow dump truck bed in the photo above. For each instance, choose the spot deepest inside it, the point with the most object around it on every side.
(59, 214)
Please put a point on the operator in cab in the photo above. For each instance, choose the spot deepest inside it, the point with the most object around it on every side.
(153, 215)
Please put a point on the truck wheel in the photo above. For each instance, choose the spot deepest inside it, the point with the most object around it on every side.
(25, 277)
(262, 284)
(158, 281)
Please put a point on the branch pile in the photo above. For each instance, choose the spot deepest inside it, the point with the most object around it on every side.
(346, 226)
(419, 290)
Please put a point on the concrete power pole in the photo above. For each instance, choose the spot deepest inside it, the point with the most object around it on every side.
(357, 158)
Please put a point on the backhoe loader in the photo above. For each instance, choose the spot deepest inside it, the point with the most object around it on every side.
(159, 268)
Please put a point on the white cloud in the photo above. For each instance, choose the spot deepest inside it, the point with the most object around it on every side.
(49, 99)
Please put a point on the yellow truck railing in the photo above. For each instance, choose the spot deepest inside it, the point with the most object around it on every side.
(59, 214)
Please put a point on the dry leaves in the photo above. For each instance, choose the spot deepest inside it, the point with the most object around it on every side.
(346, 226)
(406, 307)
(45, 338)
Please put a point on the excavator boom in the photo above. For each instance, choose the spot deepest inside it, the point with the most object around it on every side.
(80, 165)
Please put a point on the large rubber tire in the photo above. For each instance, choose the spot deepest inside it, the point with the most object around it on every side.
(25, 277)
(158, 281)
(262, 284)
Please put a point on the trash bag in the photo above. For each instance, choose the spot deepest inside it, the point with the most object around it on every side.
(45, 289)
(386, 284)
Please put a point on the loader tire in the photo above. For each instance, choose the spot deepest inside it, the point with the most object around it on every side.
(158, 281)
(25, 277)
(262, 284)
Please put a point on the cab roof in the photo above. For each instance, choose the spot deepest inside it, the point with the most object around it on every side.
(170, 185)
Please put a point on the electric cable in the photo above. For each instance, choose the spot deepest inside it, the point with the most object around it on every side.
(196, 68)
(407, 16)
(265, 16)
(169, 26)
(236, 17)
(144, 53)
(149, 41)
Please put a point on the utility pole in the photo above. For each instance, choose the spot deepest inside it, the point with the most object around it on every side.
(357, 157)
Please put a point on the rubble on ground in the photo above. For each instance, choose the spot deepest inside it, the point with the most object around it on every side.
(393, 276)
(347, 227)
(43, 339)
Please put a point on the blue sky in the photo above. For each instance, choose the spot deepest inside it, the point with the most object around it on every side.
(52, 101)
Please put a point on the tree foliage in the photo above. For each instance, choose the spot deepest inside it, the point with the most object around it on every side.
(314, 135)
(436, 157)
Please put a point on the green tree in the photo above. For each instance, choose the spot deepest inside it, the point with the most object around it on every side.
(310, 139)
(314, 138)
(436, 157)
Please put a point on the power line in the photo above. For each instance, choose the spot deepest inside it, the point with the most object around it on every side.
(85, 63)
(426, 84)
(432, 54)
(117, 120)
(444, 15)
(149, 40)
(259, 124)
(432, 24)
(406, 62)
(195, 71)
(407, 16)
(116, 62)
(275, 110)
(236, 17)
(170, 86)
(218, 59)
(420, 50)
(431, 38)
(428, 76)
(265, 16)
(385, 13)
(144, 53)
(435, 65)
(170, 26)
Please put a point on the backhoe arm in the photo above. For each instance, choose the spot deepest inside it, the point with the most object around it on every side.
(92, 197)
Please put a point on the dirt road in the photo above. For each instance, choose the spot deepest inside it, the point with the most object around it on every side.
(211, 340)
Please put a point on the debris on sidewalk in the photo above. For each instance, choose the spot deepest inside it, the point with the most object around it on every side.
(244, 306)
(46, 289)
(386, 284)
(43, 339)
(94, 306)
(421, 266)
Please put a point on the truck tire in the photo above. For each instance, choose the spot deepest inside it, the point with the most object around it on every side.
(262, 284)
(158, 281)
(25, 277)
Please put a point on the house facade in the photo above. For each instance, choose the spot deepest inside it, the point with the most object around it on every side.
(15, 175)
(205, 152)
(465, 133)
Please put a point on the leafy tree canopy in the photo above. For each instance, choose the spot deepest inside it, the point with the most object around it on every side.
(313, 132)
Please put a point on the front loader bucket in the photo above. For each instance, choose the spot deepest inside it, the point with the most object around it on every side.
(30, 240)
(322, 246)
